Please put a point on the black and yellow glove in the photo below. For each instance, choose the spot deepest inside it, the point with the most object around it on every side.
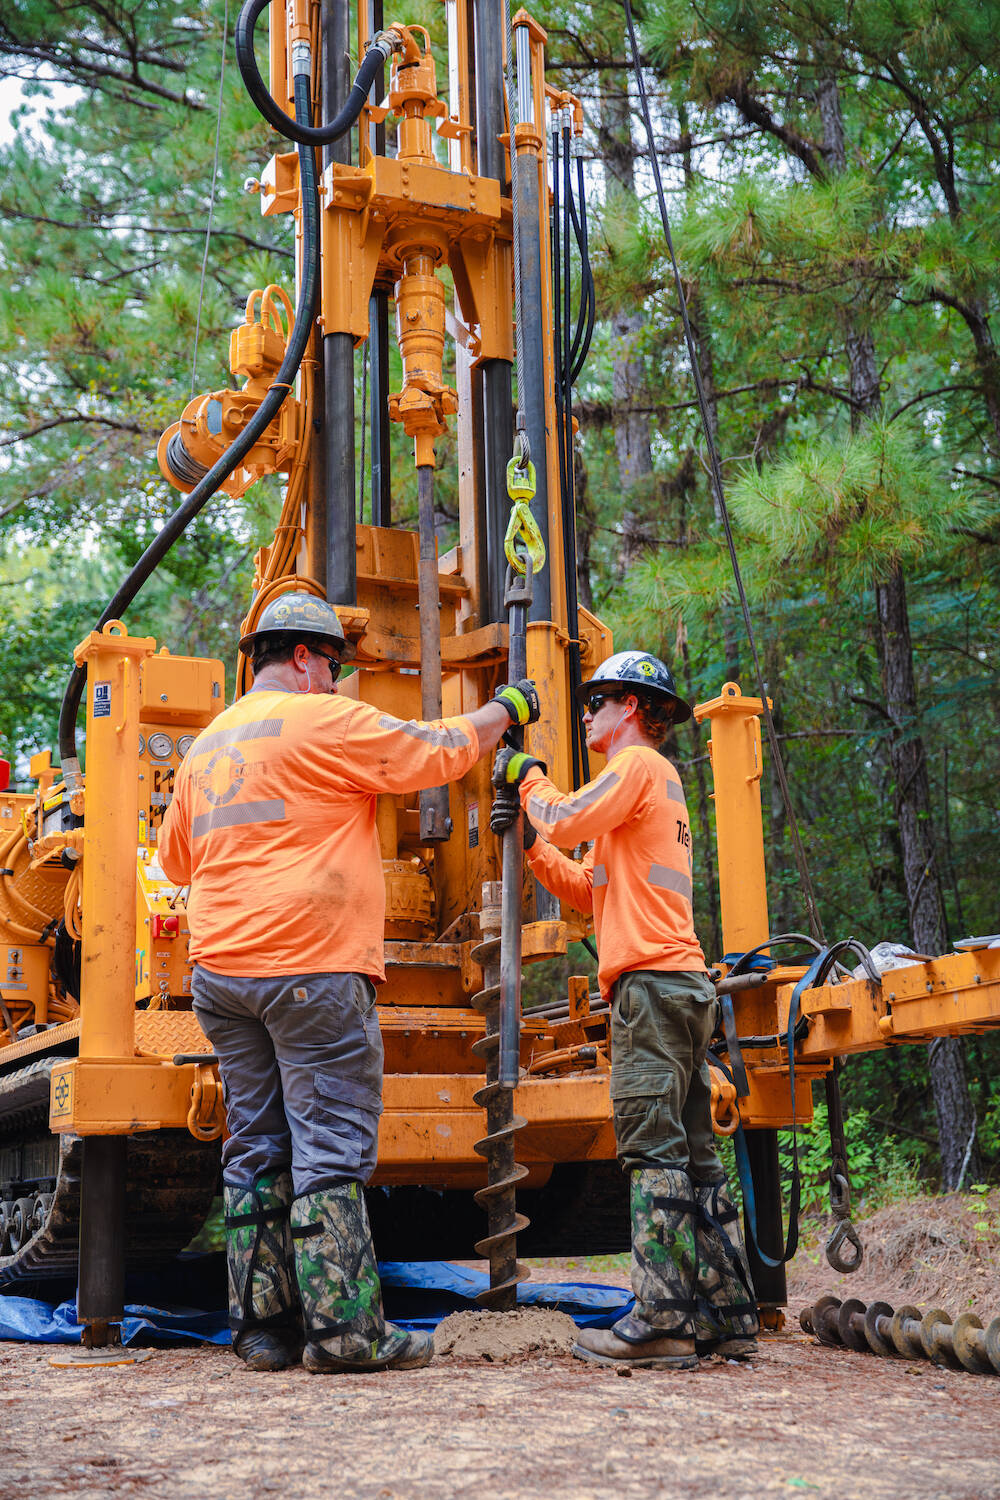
(503, 815)
(511, 767)
(520, 699)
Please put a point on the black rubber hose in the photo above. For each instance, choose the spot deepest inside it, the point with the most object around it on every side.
(234, 455)
(294, 130)
(585, 324)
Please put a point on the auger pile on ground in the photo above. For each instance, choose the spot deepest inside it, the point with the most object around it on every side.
(906, 1334)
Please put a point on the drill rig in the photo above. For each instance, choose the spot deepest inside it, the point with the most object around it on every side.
(110, 1104)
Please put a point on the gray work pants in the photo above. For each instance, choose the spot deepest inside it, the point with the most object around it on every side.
(300, 1057)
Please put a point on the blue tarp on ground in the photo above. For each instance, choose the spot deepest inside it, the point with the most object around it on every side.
(417, 1294)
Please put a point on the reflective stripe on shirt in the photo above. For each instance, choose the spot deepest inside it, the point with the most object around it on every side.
(670, 880)
(272, 811)
(600, 876)
(548, 816)
(453, 739)
(257, 729)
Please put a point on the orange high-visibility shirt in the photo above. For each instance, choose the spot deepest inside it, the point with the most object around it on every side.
(637, 878)
(273, 826)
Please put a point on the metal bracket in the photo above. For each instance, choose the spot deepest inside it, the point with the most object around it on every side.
(517, 587)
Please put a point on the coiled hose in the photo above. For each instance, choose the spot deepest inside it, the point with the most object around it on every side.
(375, 59)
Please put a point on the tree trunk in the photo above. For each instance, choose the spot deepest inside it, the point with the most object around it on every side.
(955, 1113)
(978, 324)
(701, 330)
(628, 374)
(632, 436)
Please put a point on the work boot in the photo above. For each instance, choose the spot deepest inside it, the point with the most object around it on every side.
(341, 1294)
(726, 1305)
(265, 1313)
(658, 1333)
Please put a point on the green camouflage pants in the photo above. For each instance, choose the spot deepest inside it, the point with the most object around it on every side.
(664, 1256)
(259, 1256)
(338, 1275)
(724, 1293)
(661, 1025)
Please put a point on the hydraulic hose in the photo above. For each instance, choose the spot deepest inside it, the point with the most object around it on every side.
(298, 342)
(375, 59)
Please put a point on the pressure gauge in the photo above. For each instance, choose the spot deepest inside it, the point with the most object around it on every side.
(184, 744)
(161, 746)
(142, 744)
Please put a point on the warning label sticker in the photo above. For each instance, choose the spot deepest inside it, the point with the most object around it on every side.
(472, 814)
(61, 1097)
(102, 700)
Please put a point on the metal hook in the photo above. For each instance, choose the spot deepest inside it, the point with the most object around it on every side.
(844, 1231)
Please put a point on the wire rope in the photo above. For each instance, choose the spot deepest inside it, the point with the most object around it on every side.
(521, 426)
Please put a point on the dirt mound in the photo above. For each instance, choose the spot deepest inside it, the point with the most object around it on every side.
(501, 1337)
(933, 1252)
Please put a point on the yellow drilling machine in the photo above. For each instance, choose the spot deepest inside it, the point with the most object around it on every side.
(463, 238)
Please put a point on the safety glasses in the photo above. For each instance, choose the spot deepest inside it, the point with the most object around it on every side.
(596, 701)
(332, 662)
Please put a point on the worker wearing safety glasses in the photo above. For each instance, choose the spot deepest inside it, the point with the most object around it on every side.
(689, 1269)
(272, 825)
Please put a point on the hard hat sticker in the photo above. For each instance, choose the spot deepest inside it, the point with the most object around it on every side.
(102, 700)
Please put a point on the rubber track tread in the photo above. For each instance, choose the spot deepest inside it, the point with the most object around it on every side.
(170, 1183)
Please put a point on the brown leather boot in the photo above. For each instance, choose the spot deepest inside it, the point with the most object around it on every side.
(605, 1347)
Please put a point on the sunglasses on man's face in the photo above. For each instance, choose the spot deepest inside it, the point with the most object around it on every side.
(332, 662)
(596, 701)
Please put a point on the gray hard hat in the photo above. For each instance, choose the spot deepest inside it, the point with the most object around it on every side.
(637, 671)
(292, 616)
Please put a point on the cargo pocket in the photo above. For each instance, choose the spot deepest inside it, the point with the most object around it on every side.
(638, 1132)
(646, 1109)
(344, 1133)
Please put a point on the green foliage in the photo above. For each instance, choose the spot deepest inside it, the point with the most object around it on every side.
(881, 1169)
(854, 508)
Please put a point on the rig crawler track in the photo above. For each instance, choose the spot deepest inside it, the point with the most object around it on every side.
(171, 1180)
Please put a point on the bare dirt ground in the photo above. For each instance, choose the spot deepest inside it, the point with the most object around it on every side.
(800, 1418)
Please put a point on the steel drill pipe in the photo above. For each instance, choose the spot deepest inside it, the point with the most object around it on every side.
(435, 819)
(907, 1333)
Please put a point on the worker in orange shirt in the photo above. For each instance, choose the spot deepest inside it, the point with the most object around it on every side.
(272, 825)
(689, 1269)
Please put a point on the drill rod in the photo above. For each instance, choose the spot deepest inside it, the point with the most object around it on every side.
(517, 596)
(435, 823)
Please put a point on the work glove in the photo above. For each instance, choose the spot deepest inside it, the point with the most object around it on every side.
(511, 767)
(520, 699)
(503, 815)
